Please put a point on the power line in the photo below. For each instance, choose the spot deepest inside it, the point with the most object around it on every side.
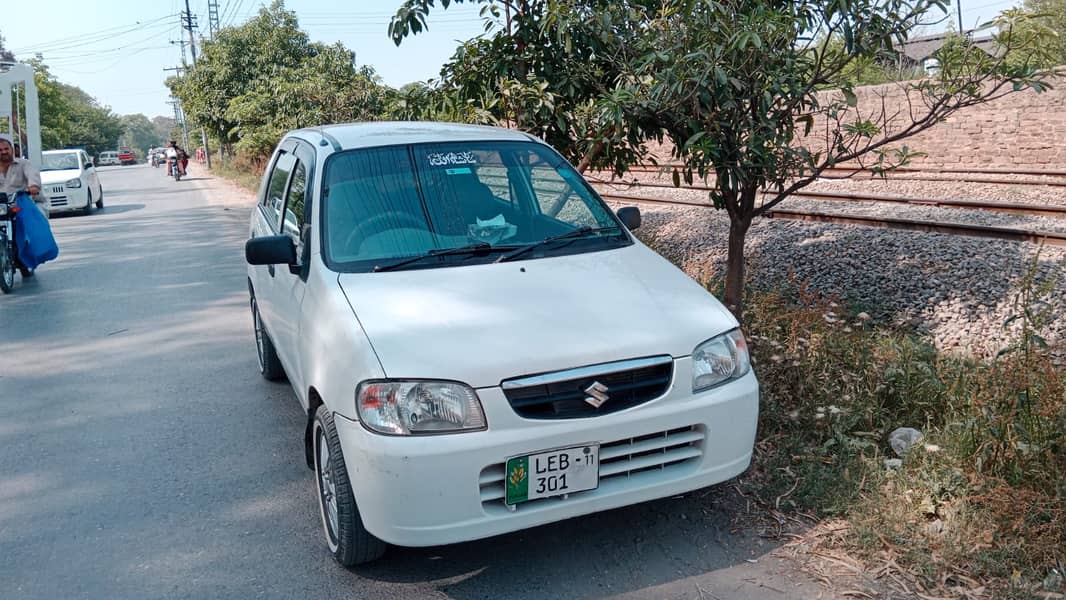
(85, 40)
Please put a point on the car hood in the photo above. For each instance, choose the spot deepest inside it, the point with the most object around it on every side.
(60, 176)
(482, 324)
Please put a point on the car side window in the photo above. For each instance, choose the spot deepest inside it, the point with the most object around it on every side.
(294, 205)
(274, 198)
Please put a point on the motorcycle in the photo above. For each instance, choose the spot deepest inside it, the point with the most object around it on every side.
(8, 259)
(174, 169)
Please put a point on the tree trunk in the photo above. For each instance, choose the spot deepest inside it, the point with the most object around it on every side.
(734, 276)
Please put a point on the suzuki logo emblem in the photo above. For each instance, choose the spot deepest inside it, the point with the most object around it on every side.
(597, 394)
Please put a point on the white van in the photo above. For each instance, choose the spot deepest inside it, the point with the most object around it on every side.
(108, 157)
(479, 343)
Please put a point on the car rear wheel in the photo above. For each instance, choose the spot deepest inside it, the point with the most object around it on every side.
(348, 540)
(269, 364)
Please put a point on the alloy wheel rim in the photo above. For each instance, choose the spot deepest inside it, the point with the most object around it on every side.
(327, 488)
(258, 335)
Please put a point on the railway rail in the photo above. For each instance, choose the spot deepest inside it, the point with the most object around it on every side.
(1002, 207)
(1054, 178)
(1051, 238)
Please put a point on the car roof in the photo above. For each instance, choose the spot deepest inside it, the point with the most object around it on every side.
(350, 136)
(65, 151)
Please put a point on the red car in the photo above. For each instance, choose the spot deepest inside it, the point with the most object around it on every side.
(126, 156)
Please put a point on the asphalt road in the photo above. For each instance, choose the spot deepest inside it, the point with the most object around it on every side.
(142, 456)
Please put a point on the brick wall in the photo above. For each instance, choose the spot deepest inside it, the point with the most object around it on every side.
(1020, 130)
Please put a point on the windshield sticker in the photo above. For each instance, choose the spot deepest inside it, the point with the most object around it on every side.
(441, 159)
(459, 171)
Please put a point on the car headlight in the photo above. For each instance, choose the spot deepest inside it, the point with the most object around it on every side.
(73, 183)
(720, 359)
(418, 407)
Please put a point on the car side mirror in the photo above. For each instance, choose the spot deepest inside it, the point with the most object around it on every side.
(88, 165)
(270, 250)
(630, 217)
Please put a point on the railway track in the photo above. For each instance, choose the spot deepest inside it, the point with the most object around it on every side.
(1051, 238)
(973, 175)
(1002, 207)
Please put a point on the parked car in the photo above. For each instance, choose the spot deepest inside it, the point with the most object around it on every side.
(108, 157)
(70, 181)
(479, 343)
(126, 156)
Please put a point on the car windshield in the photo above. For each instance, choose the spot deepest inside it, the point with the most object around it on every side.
(59, 162)
(396, 202)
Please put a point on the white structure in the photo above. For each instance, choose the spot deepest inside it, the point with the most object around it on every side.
(18, 104)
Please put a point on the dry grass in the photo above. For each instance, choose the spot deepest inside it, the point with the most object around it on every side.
(977, 510)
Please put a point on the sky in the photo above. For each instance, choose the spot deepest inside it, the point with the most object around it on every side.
(117, 51)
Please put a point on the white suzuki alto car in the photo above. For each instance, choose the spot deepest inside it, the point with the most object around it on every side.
(480, 344)
(70, 181)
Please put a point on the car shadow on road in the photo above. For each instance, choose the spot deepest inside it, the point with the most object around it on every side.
(661, 544)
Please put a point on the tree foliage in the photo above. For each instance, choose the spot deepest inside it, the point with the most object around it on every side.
(139, 133)
(254, 82)
(1048, 22)
(522, 74)
(71, 118)
(5, 54)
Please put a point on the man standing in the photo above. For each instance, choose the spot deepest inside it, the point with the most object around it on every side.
(16, 175)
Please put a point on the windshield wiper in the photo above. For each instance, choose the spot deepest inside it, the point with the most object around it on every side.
(471, 249)
(580, 232)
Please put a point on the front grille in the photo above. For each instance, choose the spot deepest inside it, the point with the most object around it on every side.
(567, 395)
(57, 201)
(621, 462)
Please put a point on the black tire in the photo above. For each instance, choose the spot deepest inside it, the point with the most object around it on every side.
(100, 200)
(89, 203)
(7, 266)
(269, 365)
(348, 540)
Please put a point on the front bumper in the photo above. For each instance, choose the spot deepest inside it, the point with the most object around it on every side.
(61, 198)
(434, 490)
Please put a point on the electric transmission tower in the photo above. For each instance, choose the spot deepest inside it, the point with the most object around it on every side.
(212, 18)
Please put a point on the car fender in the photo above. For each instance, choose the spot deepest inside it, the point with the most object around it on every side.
(338, 352)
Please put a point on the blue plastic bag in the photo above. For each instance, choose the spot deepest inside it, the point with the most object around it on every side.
(33, 234)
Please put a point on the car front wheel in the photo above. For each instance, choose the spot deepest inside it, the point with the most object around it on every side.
(348, 540)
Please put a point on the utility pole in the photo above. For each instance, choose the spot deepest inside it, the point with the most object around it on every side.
(181, 43)
(190, 25)
(179, 116)
(958, 5)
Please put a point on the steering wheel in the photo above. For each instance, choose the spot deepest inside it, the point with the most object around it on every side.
(374, 225)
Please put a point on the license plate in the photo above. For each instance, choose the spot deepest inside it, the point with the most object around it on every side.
(552, 473)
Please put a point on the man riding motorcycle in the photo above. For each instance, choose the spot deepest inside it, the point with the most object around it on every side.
(176, 153)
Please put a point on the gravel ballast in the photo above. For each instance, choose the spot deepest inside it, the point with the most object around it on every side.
(959, 290)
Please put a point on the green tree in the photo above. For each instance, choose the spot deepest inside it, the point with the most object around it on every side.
(5, 54)
(92, 126)
(520, 75)
(55, 108)
(1049, 24)
(732, 85)
(255, 81)
(139, 133)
